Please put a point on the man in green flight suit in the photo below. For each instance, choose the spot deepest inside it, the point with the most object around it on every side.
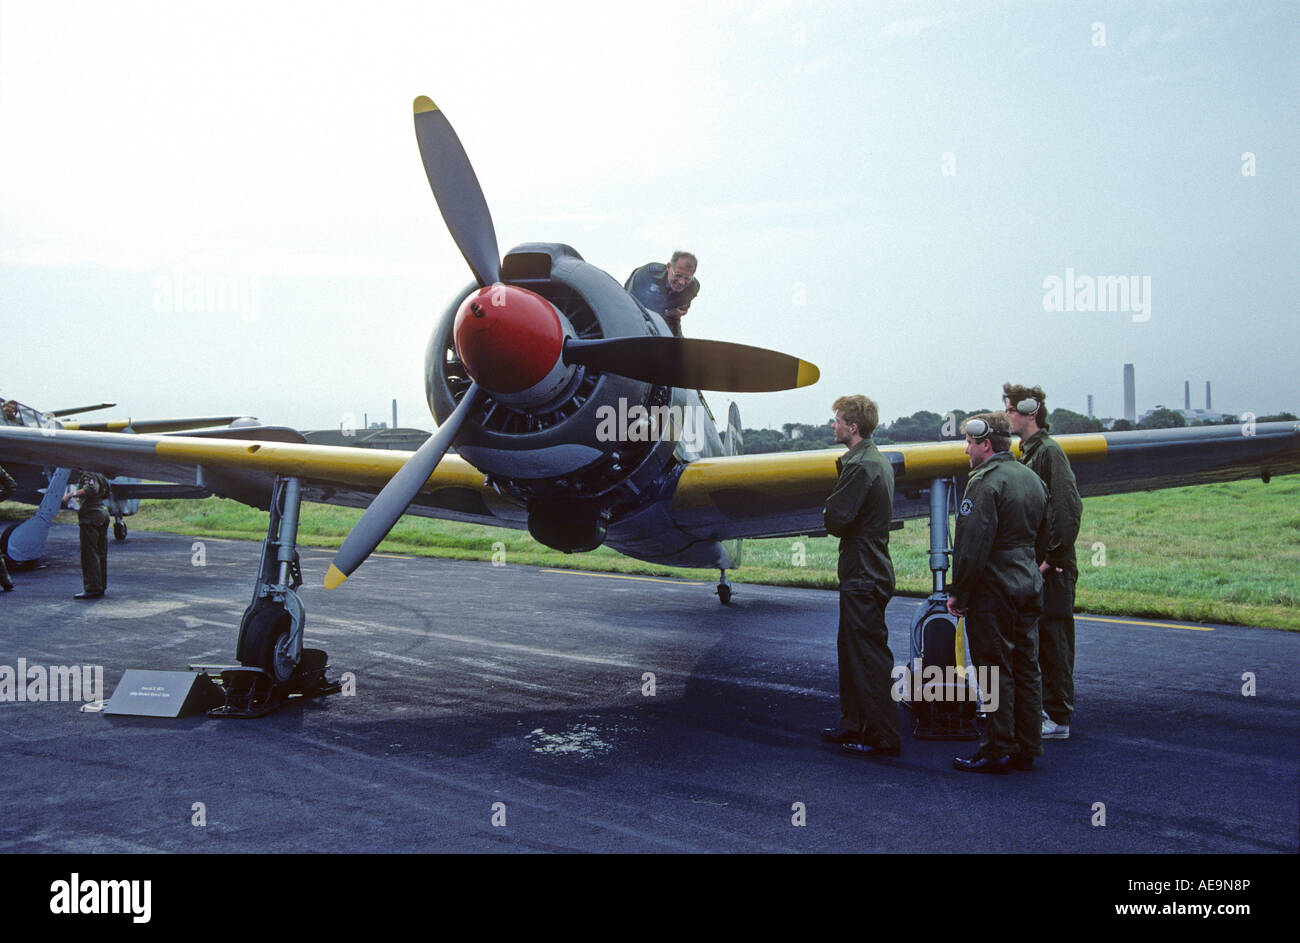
(7, 487)
(92, 517)
(858, 512)
(1001, 522)
(1027, 413)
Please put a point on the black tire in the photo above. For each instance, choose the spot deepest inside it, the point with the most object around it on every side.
(724, 594)
(119, 531)
(266, 633)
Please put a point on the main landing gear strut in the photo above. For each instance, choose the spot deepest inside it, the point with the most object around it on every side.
(951, 714)
(276, 667)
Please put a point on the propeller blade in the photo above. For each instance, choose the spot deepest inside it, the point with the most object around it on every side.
(456, 188)
(694, 363)
(391, 503)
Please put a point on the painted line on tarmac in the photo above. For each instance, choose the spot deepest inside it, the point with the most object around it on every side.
(620, 576)
(1148, 625)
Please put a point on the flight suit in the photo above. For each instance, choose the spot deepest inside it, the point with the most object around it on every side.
(7, 487)
(1045, 458)
(1001, 523)
(92, 518)
(649, 285)
(858, 512)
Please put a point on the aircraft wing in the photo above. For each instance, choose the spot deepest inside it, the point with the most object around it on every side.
(781, 494)
(772, 495)
(73, 410)
(245, 469)
(149, 426)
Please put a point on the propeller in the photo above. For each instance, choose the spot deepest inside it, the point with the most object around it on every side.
(515, 339)
(465, 211)
(694, 363)
(391, 503)
(456, 188)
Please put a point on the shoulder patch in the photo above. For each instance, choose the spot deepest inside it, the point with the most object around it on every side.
(965, 507)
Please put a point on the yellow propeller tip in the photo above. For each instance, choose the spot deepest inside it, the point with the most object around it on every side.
(334, 577)
(808, 374)
(424, 103)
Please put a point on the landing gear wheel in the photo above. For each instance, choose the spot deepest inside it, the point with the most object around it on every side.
(724, 594)
(266, 643)
(119, 531)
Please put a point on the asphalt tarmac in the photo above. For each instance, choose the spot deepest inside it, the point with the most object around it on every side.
(508, 709)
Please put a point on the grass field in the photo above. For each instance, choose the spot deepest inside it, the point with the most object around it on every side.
(1226, 553)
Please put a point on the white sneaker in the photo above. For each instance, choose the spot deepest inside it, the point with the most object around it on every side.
(1055, 731)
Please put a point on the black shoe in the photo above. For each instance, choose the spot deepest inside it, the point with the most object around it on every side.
(981, 764)
(840, 735)
(866, 749)
(87, 595)
(1021, 761)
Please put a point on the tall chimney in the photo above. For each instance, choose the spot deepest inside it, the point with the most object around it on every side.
(394, 414)
(1130, 394)
(1089, 405)
(1187, 394)
(1207, 396)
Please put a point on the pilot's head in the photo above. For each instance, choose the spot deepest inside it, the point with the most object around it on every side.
(1025, 405)
(855, 416)
(681, 267)
(11, 410)
(986, 435)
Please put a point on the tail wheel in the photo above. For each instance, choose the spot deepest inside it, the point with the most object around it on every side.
(119, 531)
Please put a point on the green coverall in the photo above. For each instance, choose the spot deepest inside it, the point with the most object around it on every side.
(1045, 458)
(1000, 522)
(858, 512)
(92, 518)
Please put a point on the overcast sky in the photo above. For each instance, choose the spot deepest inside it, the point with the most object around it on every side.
(222, 208)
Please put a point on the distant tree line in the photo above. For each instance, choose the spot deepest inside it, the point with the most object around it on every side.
(926, 426)
(1172, 419)
(921, 426)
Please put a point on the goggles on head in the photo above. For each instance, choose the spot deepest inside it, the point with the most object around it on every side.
(1027, 406)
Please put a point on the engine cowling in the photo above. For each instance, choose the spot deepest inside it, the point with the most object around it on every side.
(543, 441)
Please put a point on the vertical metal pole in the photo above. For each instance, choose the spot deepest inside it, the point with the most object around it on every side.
(288, 537)
(939, 488)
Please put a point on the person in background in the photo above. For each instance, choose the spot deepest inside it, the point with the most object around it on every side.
(92, 518)
(7, 487)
